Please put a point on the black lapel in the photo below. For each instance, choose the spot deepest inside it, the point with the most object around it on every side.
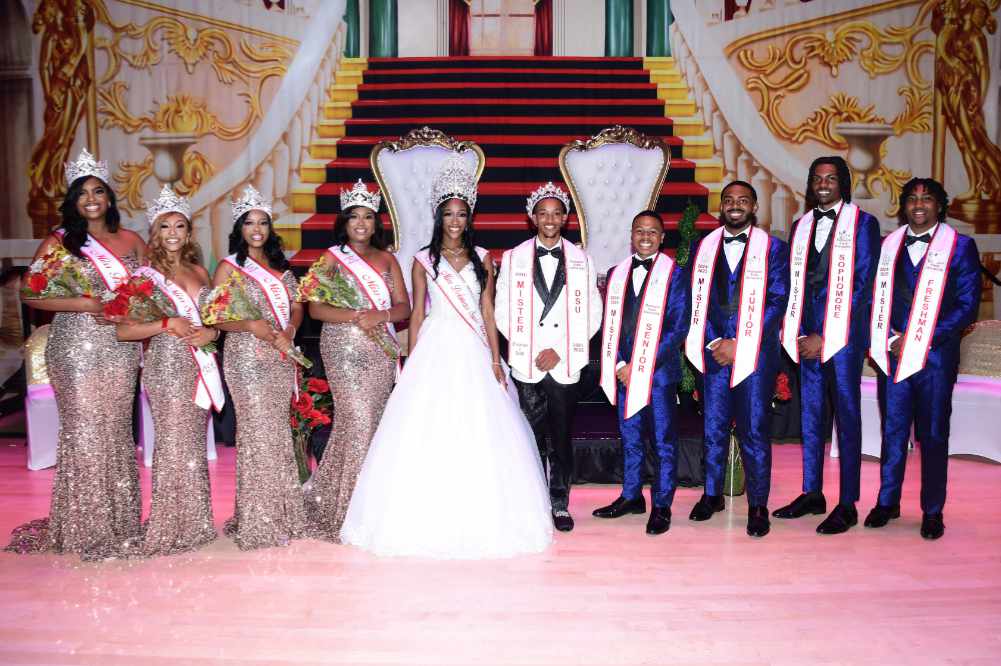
(539, 280)
(559, 279)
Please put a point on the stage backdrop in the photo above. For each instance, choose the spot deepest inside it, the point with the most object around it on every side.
(211, 95)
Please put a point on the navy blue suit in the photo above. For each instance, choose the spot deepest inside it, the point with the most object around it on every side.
(748, 403)
(841, 376)
(925, 398)
(658, 417)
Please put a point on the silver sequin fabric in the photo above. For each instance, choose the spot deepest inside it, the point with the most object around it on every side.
(180, 516)
(95, 510)
(270, 510)
(361, 378)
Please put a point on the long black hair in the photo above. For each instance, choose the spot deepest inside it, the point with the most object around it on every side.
(378, 239)
(273, 249)
(934, 188)
(844, 179)
(434, 247)
(74, 226)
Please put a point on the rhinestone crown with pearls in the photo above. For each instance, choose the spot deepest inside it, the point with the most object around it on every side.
(454, 181)
(251, 200)
(547, 191)
(360, 196)
(86, 165)
(168, 202)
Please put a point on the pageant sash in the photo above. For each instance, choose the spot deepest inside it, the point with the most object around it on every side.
(111, 269)
(753, 287)
(208, 389)
(926, 303)
(838, 312)
(575, 298)
(648, 328)
(702, 278)
(457, 292)
(372, 283)
(882, 299)
(273, 288)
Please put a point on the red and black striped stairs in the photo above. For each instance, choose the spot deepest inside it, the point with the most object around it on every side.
(521, 111)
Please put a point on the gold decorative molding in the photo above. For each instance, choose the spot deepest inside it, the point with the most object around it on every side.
(616, 134)
(208, 20)
(181, 114)
(424, 136)
(132, 175)
(782, 72)
(779, 31)
(889, 180)
(962, 72)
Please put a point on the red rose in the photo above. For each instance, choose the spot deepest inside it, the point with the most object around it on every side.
(119, 307)
(317, 418)
(782, 390)
(145, 287)
(223, 299)
(317, 385)
(304, 403)
(37, 283)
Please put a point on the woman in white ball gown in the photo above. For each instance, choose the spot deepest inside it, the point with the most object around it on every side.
(453, 470)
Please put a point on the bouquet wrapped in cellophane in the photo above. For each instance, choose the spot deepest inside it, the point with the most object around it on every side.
(322, 284)
(57, 274)
(229, 302)
(141, 301)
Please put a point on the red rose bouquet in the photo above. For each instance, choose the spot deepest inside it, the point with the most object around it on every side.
(140, 300)
(229, 302)
(57, 274)
(310, 410)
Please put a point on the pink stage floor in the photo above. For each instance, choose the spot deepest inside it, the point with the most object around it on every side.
(604, 594)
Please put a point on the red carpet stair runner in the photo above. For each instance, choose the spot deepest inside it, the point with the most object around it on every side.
(521, 111)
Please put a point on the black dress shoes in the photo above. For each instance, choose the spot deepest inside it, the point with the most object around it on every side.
(843, 517)
(706, 507)
(621, 507)
(562, 521)
(660, 520)
(758, 524)
(932, 526)
(806, 503)
(881, 515)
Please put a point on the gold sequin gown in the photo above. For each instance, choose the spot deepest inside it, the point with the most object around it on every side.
(361, 377)
(270, 510)
(180, 516)
(96, 506)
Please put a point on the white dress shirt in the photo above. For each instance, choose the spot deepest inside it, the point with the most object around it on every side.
(548, 263)
(734, 251)
(824, 225)
(639, 274)
(917, 249)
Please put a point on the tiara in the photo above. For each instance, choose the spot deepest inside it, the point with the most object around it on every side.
(360, 196)
(167, 202)
(251, 200)
(454, 181)
(547, 191)
(86, 165)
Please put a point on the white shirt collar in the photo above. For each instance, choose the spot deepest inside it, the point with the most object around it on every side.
(836, 207)
(930, 232)
(538, 243)
(746, 230)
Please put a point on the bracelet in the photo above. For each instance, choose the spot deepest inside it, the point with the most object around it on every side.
(163, 323)
(217, 334)
(497, 364)
(387, 316)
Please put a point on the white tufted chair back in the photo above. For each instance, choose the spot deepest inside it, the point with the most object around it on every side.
(405, 170)
(612, 176)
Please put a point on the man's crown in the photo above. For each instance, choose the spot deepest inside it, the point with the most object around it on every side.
(454, 181)
(168, 202)
(360, 196)
(251, 200)
(547, 191)
(86, 165)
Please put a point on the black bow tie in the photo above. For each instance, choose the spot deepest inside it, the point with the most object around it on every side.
(645, 263)
(818, 214)
(556, 252)
(739, 238)
(923, 238)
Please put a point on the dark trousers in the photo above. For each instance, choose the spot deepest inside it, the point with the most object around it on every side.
(658, 421)
(840, 379)
(549, 407)
(925, 400)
